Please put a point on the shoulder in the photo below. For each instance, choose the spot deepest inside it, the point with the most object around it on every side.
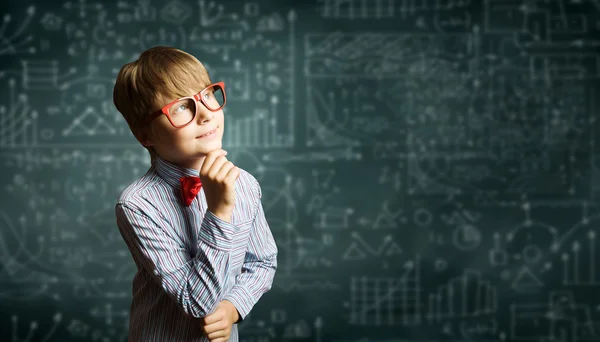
(248, 195)
(247, 184)
(139, 193)
(248, 191)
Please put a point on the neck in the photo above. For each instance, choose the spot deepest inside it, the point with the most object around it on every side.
(193, 163)
(197, 163)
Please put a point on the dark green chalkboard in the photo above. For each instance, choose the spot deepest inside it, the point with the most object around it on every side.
(428, 167)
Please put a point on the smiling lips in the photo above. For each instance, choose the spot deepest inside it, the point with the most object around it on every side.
(208, 134)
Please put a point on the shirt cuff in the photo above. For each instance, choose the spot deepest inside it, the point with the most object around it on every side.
(216, 232)
(241, 299)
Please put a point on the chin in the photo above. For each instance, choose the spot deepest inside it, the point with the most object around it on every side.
(212, 145)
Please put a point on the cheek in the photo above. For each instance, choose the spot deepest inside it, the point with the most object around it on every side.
(169, 137)
(183, 137)
(220, 117)
(163, 131)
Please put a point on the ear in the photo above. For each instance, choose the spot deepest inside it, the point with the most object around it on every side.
(144, 138)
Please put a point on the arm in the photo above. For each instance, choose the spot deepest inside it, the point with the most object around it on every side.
(195, 282)
(259, 266)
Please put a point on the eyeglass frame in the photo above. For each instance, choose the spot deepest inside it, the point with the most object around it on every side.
(197, 97)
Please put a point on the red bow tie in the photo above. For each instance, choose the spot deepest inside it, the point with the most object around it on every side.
(190, 186)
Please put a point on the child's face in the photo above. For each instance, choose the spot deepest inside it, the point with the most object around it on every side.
(184, 146)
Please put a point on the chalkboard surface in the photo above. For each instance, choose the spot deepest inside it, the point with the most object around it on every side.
(428, 167)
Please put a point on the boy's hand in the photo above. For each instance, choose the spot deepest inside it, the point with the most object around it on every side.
(218, 176)
(217, 325)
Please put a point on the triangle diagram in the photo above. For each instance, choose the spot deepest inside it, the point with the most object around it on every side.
(384, 221)
(89, 123)
(526, 281)
(393, 249)
(353, 253)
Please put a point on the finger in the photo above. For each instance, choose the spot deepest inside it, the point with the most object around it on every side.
(213, 317)
(232, 175)
(209, 329)
(223, 171)
(216, 334)
(210, 158)
(219, 325)
(216, 166)
(219, 339)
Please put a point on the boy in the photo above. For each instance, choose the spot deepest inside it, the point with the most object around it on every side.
(194, 223)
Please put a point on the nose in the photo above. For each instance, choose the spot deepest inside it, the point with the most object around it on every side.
(204, 115)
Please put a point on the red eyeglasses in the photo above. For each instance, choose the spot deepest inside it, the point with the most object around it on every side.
(182, 111)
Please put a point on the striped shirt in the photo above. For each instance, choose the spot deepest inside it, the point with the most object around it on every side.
(187, 258)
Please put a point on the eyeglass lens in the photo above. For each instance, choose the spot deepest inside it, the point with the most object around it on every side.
(182, 112)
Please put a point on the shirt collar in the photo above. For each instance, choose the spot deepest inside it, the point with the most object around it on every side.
(171, 172)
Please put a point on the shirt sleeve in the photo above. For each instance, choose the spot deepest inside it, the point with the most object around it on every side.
(195, 282)
(259, 266)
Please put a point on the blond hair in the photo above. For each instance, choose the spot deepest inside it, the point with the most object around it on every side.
(159, 75)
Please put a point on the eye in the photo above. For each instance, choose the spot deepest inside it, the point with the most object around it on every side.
(181, 108)
(207, 95)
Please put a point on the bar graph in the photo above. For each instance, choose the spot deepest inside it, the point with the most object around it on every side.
(387, 301)
(259, 129)
(18, 124)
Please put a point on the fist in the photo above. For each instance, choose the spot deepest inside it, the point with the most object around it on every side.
(218, 176)
(217, 326)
